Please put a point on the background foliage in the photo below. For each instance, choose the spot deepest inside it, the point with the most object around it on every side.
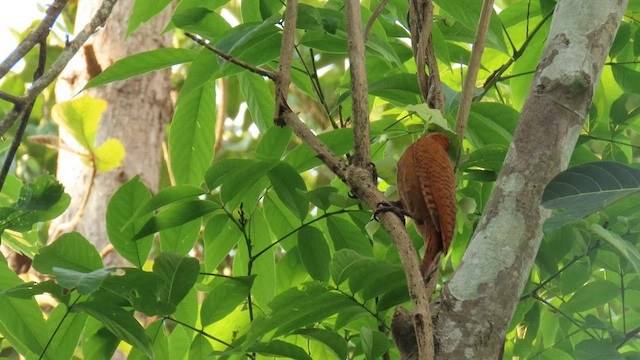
(262, 253)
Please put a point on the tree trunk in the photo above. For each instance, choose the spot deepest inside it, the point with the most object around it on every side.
(137, 112)
(478, 302)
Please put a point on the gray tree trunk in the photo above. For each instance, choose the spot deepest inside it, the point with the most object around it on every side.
(478, 302)
(137, 112)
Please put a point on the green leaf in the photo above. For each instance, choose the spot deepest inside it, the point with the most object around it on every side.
(314, 252)
(176, 214)
(21, 321)
(192, 135)
(374, 343)
(180, 239)
(141, 63)
(585, 189)
(278, 348)
(202, 72)
(220, 236)
(201, 18)
(97, 341)
(255, 43)
(260, 100)
(86, 283)
(624, 248)
(200, 348)
(109, 155)
(65, 328)
(290, 187)
(593, 349)
(143, 11)
(179, 273)
(224, 297)
(139, 288)
(239, 179)
(164, 197)
(273, 143)
(593, 294)
(40, 200)
(336, 343)
(124, 203)
(297, 308)
(302, 158)
(120, 322)
(80, 117)
(70, 251)
(491, 123)
(346, 235)
(264, 290)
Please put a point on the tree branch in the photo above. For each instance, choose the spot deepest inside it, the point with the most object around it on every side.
(472, 70)
(483, 291)
(359, 86)
(286, 52)
(373, 18)
(98, 20)
(420, 21)
(33, 37)
(255, 69)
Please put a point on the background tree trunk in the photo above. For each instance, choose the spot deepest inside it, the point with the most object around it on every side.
(137, 112)
(478, 302)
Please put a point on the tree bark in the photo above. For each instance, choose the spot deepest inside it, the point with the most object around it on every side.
(477, 304)
(137, 112)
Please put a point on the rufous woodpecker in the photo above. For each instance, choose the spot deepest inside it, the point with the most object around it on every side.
(427, 193)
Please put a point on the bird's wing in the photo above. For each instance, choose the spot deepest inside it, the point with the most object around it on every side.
(438, 186)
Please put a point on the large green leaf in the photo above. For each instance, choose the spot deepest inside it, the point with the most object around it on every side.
(179, 273)
(220, 236)
(143, 11)
(124, 204)
(290, 188)
(120, 322)
(201, 18)
(332, 340)
(180, 239)
(86, 283)
(595, 349)
(164, 197)
(70, 251)
(594, 294)
(65, 329)
(278, 348)
(314, 252)
(141, 63)
(224, 297)
(21, 321)
(587, 188)
(259, 98)
(193, 135)
(297, 308)
(141, 289)
(177, 214)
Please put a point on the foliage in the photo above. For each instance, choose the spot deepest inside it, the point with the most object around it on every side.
(287, 264)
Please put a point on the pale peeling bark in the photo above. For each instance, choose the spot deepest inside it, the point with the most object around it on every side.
(138, 110)
(478, 302)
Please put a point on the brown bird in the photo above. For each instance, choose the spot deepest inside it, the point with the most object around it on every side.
(427, 193)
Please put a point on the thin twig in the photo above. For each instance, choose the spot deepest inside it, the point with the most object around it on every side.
(10, 98)
(497, 74)
(33, 37)
(359, 85)
(472, 71)
(373, 18)
(284, 67)
(255, 69)
(17, 139)
(59, 64)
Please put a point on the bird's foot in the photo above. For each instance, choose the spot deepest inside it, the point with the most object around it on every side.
(394, 207)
